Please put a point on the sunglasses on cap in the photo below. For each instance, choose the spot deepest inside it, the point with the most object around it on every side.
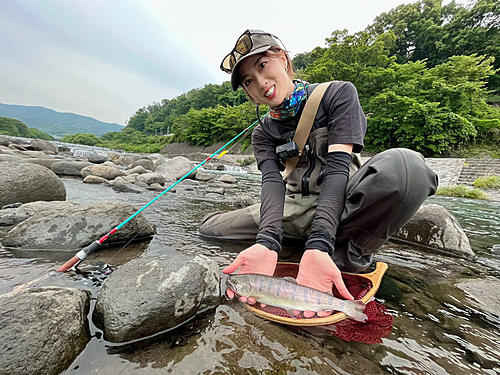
(249, 41)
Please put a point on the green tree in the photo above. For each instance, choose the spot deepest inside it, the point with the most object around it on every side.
(16, 128)
(82, 139)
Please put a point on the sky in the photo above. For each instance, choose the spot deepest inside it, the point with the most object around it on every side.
(108, 58)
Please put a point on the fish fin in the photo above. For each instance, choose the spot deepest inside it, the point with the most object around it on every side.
(354, 309)
(293, 313)
(291, 279)
(309, 313)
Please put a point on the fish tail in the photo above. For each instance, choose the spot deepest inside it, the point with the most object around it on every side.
(355, 310)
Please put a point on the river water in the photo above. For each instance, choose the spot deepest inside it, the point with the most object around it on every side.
(438, 329)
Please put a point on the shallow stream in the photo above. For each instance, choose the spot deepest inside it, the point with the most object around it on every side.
(438, 328)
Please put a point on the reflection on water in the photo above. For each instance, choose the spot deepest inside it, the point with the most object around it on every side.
(438, 328)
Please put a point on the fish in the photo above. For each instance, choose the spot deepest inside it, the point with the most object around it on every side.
(287, 294)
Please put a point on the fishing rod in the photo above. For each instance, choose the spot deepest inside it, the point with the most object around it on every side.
(82, 254)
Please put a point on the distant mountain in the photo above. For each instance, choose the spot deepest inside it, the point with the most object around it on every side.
(57, 124)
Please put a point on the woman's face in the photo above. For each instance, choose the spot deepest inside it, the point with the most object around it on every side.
(265, 79)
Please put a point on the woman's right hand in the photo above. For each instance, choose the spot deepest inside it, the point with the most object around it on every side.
(256, 259)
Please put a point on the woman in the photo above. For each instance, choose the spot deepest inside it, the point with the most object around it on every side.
(344, 213)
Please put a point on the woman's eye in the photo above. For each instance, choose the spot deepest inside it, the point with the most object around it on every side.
(262, 64)
(247, 82)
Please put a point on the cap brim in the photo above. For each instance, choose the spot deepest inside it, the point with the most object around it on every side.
(235, 75)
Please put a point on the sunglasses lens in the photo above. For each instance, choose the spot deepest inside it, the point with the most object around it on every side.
(244, 45)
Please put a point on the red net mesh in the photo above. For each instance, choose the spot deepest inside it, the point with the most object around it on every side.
(378, 325)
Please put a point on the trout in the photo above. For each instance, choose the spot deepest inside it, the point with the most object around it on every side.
(285, 293)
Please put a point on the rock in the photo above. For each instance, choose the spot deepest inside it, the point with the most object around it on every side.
(138, 169)
(434, 227)
(151, 294)
(141, 184)
(210, 167)
(42, 330)
(485, 293)
(157, 159)
(221, 167)
(4, 140)
(188, 182)
(130, 178)
(151, 178)
(228, 179)
(156, 187)
(11, 158)
(220, 191)
(69, 168)
(46, 162)
(145, 163)
(243, 201)
(77, 227)
(124, 161)
(98, 158)
(15, 146)
(27, 182)
(176, 168)
(495, 249)
(41, 145)
(104, 171)
(64, 149)
(94, 180)
(17, 213)
(201, 176)
(35, 154)
(127, 187)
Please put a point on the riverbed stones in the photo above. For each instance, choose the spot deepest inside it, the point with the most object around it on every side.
(435, 228)
(485, 294)
(97, 158)
(202, 176)
(104, 171)
(46, 162)
(42, 145)
(94, 180)
(228, 179)
(69, 168)
(151, 178)
(151, 294)
(176, 168)
(27, 182)
(145, 163)
(124, 161)
(128, 187)
(157, 159)
(42, 330)
(15, 215)
(138, 169)
(11, 158)
(77, 227)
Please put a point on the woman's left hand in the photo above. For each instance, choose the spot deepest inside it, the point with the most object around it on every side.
(317, 270)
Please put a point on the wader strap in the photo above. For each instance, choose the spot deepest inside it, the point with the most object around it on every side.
(305, 124)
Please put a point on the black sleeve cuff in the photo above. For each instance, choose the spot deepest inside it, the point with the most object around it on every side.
(320, 240)
(270, 240)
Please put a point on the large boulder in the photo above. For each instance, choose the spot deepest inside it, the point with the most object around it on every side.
(77, 227)
(435, 228)
(176, 168)
(16, 215)
(5, 140)
(145, 163)
(124, 161)
(104, 171)
(151, 294)
(138, 169)
(11, 158)
(98, 158)
(29, 183)
(42, 330)
(69, 168)
(46, 162)
(42, 145)
(157, 159)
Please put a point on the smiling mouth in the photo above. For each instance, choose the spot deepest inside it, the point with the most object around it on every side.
(270, 93)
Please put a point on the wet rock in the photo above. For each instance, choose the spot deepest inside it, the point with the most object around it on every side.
(94, 180)
(98, 158)
(104, 171)
(41, 145)
(151, 178)
(20, 212)
(127, 187)
(210, 167)
(42, 330)
(138, 169)
(221, 167)
(243, 201)
(151, 294)
(435, 228)
(201, 176)
(228, 179)
(176, 168)
(69, 168)
(485, 293)
(29, 183)
(145, 163)
(77, 227)
(220, 191)
(157, 159)
(63, 149)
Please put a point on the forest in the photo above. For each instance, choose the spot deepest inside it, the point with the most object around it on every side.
(427, 74)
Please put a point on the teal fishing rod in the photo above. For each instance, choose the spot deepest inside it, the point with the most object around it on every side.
(82, 254)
